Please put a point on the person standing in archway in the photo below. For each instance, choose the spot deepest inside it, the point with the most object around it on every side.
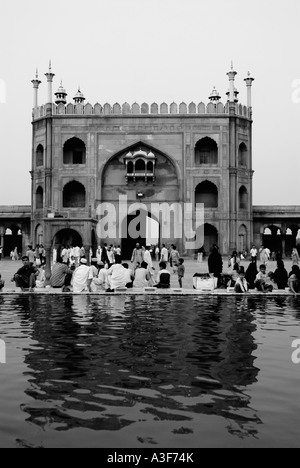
(137, 257)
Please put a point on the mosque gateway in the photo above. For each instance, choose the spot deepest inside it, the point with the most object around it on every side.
(98, 169)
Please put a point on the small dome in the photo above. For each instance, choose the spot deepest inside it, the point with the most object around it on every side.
(61, 90)
(151, 155)
(140, 153)
(215, 96)
(79, 95)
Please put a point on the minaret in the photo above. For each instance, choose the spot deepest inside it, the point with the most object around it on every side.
(61, 95)
(232, 74)
(236, 95)
(249, 82)
(50, 77)
(79, 97)
(214, 97)
(36, 83)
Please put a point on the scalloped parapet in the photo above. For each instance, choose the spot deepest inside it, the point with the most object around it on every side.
(143, 109)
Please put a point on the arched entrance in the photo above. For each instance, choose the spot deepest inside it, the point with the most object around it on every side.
(13, 238)
(272, 238)
(66, 237)
(211, 237)
(142, 175)
(242, 238)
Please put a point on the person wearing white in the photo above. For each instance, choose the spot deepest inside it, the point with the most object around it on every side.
(164, 254)
(148, 258)
(77, 255)
(141, 277)
(93, 274)
(65, 255)
(110, 254)
(117, 275)
(80, 277)
(101, 283)
(253, 252)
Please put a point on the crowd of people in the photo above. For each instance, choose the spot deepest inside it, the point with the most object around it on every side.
(241, 280)
(71, 270)
(106, 271)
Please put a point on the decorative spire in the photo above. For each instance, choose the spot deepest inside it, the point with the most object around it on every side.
(249, 80)
(232, 91)
(214, 97)
(36, 83)
(50, 77)
(79, 97)
(61, 95)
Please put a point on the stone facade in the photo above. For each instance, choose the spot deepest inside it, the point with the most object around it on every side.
(202, 154)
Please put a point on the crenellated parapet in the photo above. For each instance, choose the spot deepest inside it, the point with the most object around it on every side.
(143, 109)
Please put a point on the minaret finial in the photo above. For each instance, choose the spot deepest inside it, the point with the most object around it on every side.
(231, 64)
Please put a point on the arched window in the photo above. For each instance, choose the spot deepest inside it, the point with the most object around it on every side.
(39, 156)
(74, 152)
(74, 195)
(206, 152)
(150, 167)
(243, 155)
(140, 166)
(207, 193)
(130, 167)
(39, 198)
(243, 198)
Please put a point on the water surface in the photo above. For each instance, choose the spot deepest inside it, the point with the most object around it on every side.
(116, 371)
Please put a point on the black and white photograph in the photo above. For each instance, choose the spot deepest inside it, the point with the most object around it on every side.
(150, 227)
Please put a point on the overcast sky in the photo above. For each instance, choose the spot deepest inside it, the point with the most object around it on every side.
(155, 51)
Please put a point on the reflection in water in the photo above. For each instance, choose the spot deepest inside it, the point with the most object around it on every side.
(94, 359)
(155, 367)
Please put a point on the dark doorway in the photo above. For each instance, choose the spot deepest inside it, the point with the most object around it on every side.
(66, 237)
(12, 239)
(139, 228)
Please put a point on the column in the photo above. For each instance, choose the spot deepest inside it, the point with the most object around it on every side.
(48, 264)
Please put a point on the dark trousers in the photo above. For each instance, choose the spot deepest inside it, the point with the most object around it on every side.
(25, 283)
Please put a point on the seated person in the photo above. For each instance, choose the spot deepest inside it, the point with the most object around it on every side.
(251, 273)
(25, 278)
(116, 276)
(61, 275)
(164, 277)
(262, 282)
(294, 280)
(281, 275)
(101, 283)
(241, 285)
(93, 274)
(234, 276)
(2, 283)
(129, 276)
(40, 281)
(142, 276)
(80, 277)
(271, 281)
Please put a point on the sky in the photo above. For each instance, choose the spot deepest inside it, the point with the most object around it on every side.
(155, 51)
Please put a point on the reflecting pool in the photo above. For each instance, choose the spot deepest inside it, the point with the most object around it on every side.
(142, 371)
